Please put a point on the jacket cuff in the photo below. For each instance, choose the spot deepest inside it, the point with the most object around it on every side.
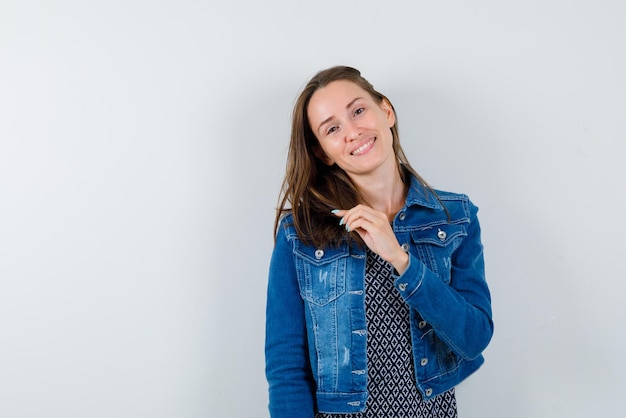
(410, 281)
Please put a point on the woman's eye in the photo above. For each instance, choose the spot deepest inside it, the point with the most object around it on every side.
(359, 111)
(331, 130)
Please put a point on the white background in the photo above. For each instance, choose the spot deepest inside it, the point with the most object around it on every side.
(142, 146)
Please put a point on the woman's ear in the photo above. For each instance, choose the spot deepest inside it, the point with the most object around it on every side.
(386, 106)
(319, 153)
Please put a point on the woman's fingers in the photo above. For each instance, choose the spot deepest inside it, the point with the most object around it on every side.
(360, 216)
(374, 228)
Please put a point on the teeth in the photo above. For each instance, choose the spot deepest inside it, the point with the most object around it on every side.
(362, 148)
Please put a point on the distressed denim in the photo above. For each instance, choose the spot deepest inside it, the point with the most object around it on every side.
(316, 331)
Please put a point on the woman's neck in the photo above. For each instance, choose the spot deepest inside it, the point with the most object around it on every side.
(384, 193)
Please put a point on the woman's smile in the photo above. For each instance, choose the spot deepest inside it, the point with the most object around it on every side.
(364, 148)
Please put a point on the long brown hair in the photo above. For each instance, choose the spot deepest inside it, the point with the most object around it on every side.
(311, 188)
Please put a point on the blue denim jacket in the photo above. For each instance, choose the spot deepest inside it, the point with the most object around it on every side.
(316, 330)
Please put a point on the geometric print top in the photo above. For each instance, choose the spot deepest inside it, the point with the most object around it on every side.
(390, 372)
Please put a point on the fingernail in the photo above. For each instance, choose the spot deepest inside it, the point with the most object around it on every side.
(334, 211)
(341, 221)
(347, 228)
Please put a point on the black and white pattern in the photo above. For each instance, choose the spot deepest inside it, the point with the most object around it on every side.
(391, 383)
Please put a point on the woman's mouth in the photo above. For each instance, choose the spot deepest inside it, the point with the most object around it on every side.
(363, 148)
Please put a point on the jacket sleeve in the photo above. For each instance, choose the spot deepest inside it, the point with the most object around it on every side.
(459, 313)
(287, 366)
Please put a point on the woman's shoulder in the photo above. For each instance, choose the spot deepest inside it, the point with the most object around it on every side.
(286, 219)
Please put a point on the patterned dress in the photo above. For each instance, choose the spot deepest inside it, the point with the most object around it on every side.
(390, 372)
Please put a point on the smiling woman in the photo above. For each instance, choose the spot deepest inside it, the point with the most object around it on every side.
(377, 300)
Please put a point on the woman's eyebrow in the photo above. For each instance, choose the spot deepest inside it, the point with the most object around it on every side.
(331, 117)
(352, 102)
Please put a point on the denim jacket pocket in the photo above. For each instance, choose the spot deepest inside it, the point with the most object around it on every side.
(447, 361)
(434, 247)
(321, 273)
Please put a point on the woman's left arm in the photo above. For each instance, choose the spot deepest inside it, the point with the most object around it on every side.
(459, 312)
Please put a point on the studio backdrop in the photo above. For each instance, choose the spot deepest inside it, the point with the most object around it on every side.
(142, 148)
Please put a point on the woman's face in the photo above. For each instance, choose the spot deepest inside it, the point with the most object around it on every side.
(352, 129)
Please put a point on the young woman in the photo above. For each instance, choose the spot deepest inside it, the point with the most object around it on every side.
(377, 303)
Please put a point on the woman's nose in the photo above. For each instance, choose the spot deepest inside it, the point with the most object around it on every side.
(353, 132)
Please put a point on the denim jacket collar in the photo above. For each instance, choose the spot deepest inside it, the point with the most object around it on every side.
(419, 194)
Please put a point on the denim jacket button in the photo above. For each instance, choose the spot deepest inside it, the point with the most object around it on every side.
(442, 235)
(429, 392)
(402, 286)
(421, 324)
(405, 247)
(424, 361)
(402, 216)
(319, 254)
